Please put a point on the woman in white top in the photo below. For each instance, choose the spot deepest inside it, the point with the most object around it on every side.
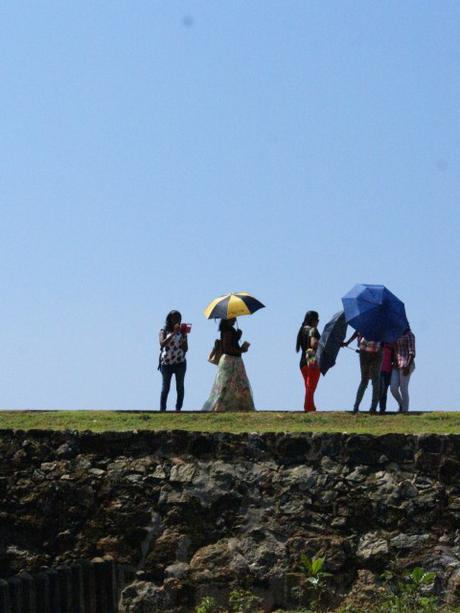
(174, 346)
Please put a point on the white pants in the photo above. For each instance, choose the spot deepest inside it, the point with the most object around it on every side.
(399, 387)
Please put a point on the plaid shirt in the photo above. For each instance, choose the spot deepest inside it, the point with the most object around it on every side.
(404, 347)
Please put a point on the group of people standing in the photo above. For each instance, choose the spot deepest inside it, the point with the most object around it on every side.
(385, 365)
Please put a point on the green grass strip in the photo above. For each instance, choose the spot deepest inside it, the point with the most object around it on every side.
(283, 421)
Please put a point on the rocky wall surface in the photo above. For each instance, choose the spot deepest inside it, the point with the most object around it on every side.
(198, 514)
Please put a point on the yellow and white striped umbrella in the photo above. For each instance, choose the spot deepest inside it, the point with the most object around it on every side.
(232, 305)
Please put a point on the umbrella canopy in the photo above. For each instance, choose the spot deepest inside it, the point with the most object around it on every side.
(330, 342)
(232, 305)
(375, 312)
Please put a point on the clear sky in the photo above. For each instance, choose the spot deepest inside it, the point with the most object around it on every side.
(157, 154)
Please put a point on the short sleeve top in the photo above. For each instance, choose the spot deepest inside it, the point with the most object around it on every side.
(173, 352)
(308, 355)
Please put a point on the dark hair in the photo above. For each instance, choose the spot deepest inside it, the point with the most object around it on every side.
(225, 325)
(169, 318)
(310, 319)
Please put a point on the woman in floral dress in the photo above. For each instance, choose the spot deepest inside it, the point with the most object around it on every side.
(231, 390)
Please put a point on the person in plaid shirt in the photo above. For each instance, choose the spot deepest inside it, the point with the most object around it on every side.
(370, 361)
(404, 366)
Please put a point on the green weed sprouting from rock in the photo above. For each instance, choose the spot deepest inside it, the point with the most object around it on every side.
(239, 601)
(350, 608)
(296, 611)
(316, 577)
(207, 605)
(243, 601)
(406, 593)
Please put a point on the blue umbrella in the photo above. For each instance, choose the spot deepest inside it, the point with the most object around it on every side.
(375, 312)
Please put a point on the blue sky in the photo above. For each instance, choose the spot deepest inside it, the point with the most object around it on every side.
(157, 154)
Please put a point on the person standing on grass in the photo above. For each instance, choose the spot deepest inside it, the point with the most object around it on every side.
(174, 346)
(307, 342)
(370, 360)
(404, 366)
(231, 390)
(385, 375)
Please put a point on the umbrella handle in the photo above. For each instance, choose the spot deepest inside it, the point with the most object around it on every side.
(351, 349)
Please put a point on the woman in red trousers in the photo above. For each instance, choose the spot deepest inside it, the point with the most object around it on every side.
(307, 342)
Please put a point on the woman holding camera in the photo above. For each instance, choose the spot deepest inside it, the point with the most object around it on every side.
(174, 346)
(231, 390)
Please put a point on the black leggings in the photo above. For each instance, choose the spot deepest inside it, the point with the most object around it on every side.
(385, 378)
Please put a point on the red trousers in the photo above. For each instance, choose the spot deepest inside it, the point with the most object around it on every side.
(311, 377)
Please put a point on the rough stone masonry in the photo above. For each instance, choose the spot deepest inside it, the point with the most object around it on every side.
(199, 514)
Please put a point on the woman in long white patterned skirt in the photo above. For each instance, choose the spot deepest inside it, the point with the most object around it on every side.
(231, 390)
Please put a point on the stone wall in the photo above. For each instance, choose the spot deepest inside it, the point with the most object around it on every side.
(199, 513)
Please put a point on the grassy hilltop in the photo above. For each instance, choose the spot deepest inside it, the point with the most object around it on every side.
(99, 421)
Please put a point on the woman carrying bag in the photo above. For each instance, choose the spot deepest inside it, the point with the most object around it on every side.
(231, 390)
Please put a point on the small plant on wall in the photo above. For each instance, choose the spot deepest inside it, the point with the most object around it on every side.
(243, 601)
(316, 577)
(207, 605)
(407, 593)
(239, 601)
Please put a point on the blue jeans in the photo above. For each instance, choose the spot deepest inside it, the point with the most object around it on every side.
(399, 387)
(167, 371)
